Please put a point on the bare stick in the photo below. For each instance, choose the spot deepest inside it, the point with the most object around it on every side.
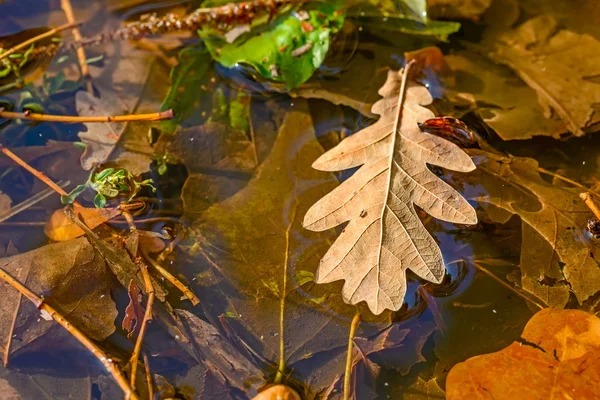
(176, 282)
(40, 175)
(589, 201)
(85, 71)
(348, 373)
(10, 332)
(147, 317)
(570, 181)
(148, 377)
(70, 119)
(29, 42)
(77, 334)
(30, 202)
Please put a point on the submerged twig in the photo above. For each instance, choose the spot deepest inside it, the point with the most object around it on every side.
(187, 292)
(569, 181)
(348, 370)
(148, 376)
(85, 71)
(147, 317)
(76, 333)
(37, 38)
(14, 210)
(509, 287)
(70, 119)
(590, 203)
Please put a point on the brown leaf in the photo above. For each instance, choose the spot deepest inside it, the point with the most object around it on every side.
(559, 358)
(7, 392)
(457, 9)
(553, 222)
(384, 236)
(133, 312)
(74, 280)
(277, 392)
(60, 228)
(558, 65)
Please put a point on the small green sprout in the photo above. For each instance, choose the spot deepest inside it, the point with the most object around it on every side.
(109, 183)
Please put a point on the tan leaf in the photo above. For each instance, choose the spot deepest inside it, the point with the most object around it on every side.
(553, 222)
(60, 228)
(559, 359)
(384, 236)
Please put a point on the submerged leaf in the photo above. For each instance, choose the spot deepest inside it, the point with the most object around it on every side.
(384, 236)
(560, 65)
(558, 358)
(59, 227)
(553, 219)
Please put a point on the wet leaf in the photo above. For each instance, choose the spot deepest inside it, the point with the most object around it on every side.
(554, 218)
(8, 392)
(277, 392)
(186, 82)
(5, 202)
(290, 50)
(133, 312)
(219, 359)
(503, 101)
(557, 357)
(60, 228)
(559, 65)
(72, 277)
(385, 237)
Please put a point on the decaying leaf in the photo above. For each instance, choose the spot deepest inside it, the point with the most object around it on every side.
(278, 392)
(555, 247)
(558, 358)
(384, 236)
(5, 202)
(461, 9)
(133, 312)
(8, 392)
(59, 227)
(560, 65)
(74, 280)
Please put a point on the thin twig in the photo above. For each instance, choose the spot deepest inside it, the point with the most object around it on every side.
(10, 332)
(24, 205)
(148, 376)
(37, 38)
(147, 317)
(565, 179)
(40, 175)
(252, 135)
(589, 201)
(76, 333)
(72, 119)
(348, 373)
(506, 285)
(176, 282)
(85, 71)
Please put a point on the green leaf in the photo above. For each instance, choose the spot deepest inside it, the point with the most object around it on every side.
(303, 277)
(186, 81)
(103, 174)
(289, 50)
(100, 201)
(70, 198)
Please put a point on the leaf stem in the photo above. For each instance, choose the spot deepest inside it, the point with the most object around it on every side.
(70, 119)
(77, 334)
(348, 370)
(37, 38)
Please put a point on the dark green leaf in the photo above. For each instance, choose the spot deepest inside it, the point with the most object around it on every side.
(103, 174)
(186, 81)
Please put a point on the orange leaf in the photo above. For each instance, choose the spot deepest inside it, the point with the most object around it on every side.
(277, 392)
(60, 228)
(559, 358)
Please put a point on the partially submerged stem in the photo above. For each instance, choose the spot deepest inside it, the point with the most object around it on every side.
(148, 377)
(76, 333)
(282, 296)
(348, 370)
(589, 201)
(70, 119)
(187, 292)
(37, 38)
(147, 317)
(565, 179)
